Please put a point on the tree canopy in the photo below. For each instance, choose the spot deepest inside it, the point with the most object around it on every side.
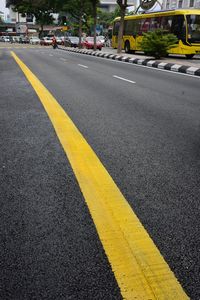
(41, 9)
(84, 13)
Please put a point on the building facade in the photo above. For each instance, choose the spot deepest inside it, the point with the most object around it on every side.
(15, 17)
(111, 5)
(172, 4)
(1, 15)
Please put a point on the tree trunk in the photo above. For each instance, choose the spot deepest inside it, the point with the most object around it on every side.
(123, 5)
(80, 31)
(95, 24)
(80, 25)
(41, 30)
(121, 30)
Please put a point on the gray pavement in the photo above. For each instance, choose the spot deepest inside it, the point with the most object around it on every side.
(146, 133)
(49, 247)
(175, 59)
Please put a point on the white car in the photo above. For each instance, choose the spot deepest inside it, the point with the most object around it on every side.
(101, 38)
(34, 41)
(46, 41)
(15, 39)
(59, 40)
(6, 39)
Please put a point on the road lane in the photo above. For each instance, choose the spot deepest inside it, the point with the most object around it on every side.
(154, 136)
(49, 247)
(139, 268)
(147, 136)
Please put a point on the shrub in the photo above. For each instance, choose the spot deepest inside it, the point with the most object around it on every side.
(157, 43)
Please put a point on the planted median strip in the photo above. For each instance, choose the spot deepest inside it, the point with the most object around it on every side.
(138, 266)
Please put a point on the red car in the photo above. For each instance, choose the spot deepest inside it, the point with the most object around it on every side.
(88, 43)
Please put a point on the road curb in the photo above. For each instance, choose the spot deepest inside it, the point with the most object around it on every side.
(149, 62)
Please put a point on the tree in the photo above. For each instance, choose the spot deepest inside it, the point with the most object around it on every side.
(79, 10)
(106, 18)
(123, 5)
(157, 43)
(94, 11)
(41, 9)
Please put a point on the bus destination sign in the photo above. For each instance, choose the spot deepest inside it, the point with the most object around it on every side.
(147, 4)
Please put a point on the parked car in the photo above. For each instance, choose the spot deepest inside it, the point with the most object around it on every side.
(63, 39)
(59, 40)
(102, 39)
(16, 39)
(34, 40)
(46, 41)
(23, 40)
(71, 41)
(88, 43)
(6, 39)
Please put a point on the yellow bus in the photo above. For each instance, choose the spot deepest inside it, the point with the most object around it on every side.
(184, 23)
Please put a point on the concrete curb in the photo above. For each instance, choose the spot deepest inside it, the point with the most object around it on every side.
(145, 62)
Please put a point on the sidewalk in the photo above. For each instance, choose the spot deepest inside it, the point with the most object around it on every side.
(174, 59)
(175, 63)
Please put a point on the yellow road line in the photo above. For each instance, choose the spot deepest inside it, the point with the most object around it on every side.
(138, 266)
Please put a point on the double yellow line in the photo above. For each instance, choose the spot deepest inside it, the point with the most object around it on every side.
(138, 266)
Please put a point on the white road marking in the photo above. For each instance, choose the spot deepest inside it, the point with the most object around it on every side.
(124, 79)
(50, 54)
(82, 66)
(63, 59)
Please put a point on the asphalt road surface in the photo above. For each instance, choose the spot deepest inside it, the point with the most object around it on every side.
(144, 126)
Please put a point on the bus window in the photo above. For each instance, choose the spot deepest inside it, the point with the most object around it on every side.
(193, 22)
(166, 23)
(155, 23)
(116, 28)
(129, 27)
(138, 27)
(178, 27)
(145, 25)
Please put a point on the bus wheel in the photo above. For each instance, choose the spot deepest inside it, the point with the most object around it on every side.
(189, 56)
(127, 47)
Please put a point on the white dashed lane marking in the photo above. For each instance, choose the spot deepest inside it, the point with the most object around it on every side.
(82, 66)
(124, 79)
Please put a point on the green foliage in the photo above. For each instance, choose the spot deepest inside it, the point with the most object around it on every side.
(157, 43)
(75, 8)
(106, 18)
(41, 9)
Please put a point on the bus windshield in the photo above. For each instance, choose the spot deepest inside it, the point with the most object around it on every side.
(193, 22)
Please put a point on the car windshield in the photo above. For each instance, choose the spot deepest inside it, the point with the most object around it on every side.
(74, 39)
(193, 22)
